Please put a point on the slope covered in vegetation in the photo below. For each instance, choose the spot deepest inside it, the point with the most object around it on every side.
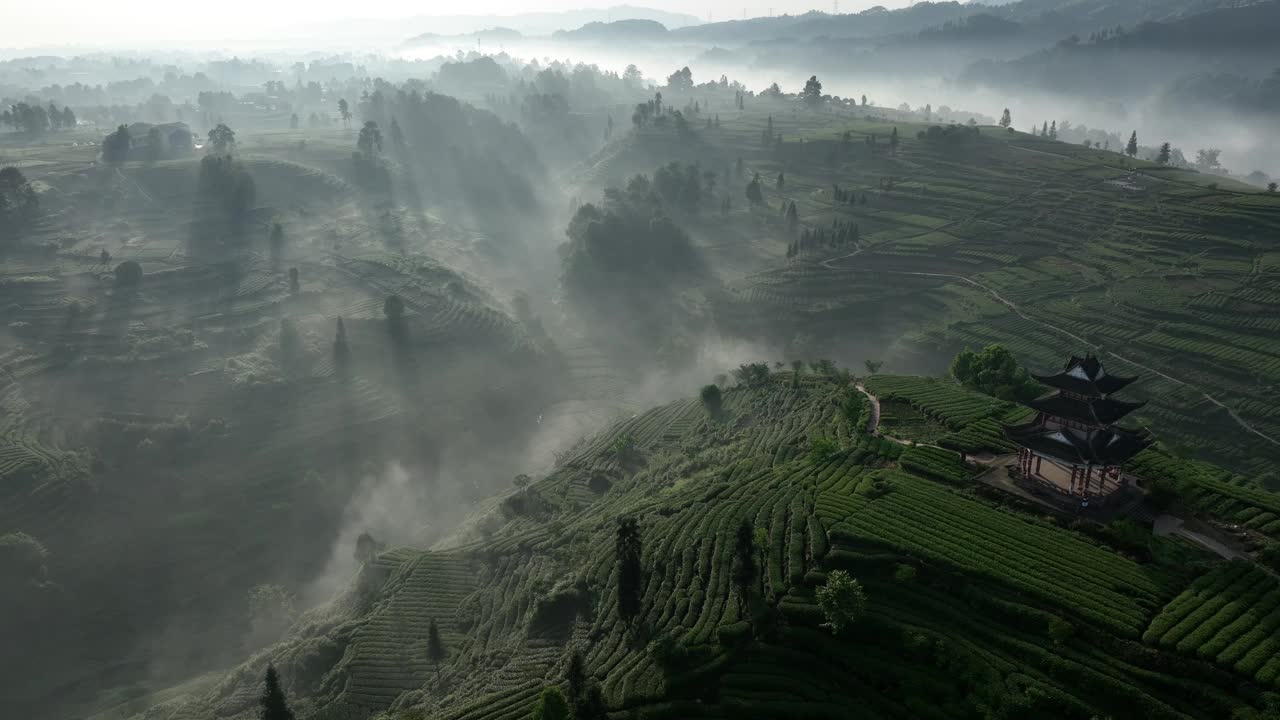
(974, 607)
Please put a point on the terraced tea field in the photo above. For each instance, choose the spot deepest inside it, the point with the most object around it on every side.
(1017, 609)
(1046, 248)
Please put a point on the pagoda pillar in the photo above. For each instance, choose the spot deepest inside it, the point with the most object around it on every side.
(1038, 460)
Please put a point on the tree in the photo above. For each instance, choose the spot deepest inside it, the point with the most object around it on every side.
(627, 549)
(19, 203)
(341, 349)
(370, 140)
(812, 93)
(864, 101)
(344, 110)
(576, 675)
(842, 601)
(782, 180)
(1006, 120)
(873, 366)
(745, 572)
(1207, 159)
(681, 80)
(272, 703)
(293, 121)
(1053, 130)
(436, 650)
(294, 285)
(592, 706)
(754, 195)
(893, 140)
(797, 369)
(1165, 151)
(397, 136)
(712, 399)
(222, 139)
(115, 147)
(1271, 187)
(551, 705)
(128, 274)
(994, 371)
(1132, 148)
(367, 548)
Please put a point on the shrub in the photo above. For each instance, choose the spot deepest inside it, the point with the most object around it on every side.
(128, 274)
(551, 705)
(712, 399)
(842, 601)
(822, 449)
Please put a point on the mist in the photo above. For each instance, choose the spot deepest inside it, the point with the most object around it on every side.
(297, 308)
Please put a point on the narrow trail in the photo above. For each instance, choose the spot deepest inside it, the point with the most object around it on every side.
(1018, 311)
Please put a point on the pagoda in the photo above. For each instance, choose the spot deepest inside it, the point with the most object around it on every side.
(1073, 442)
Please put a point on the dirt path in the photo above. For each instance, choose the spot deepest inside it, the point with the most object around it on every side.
(873, 426)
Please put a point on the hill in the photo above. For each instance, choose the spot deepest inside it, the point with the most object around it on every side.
(974, 607)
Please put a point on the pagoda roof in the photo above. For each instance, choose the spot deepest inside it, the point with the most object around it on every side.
(1109, 447)
(1095, 411)
(1085, 376)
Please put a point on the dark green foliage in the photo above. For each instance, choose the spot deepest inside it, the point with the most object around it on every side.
(341, 349)
(627, 549)
(436, 650)
(370, 140)
(1163, 156)
(821, 449)
(128, 274)
(19, 203)
(272, 704)
(995, 372)
(115, 147)
(754, 194)
(812, 93)
(222, 140)
(367, 547)
(752, 374)
(842, 601)
(576, 676)
(951, 135)
(745, 571)
(551, 705)
(592, 706)
(225, 193)
(1131, 149)
(712, 399)
(679, 186)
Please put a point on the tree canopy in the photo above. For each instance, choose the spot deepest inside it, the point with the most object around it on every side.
(995, 372)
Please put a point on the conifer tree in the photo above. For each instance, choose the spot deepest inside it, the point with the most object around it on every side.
(1132, 148)
(1166, 151)
(272, 703)
(436, 650)
(627, 548)
(341, 350)
(1006, 120)
(744, 562)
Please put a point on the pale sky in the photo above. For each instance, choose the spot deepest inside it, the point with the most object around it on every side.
(184, 23)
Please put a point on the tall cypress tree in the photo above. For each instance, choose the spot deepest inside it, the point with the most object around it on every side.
(341, 350)
(628, 550)
(272, 703)
(744, 562)
(1132, 148)
(435, 646)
